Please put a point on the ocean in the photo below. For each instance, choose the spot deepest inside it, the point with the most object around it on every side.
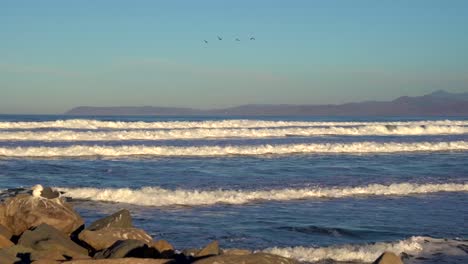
(320, 190)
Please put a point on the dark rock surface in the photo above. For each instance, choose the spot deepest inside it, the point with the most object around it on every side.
(106, 237)
(120, 219)
(257, 258)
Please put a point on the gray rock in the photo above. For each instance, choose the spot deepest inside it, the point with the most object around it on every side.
(48, 238)
(257, 258)
(24, 211)
(212, 249)
(120, 219)
(26, 254)
(106, 237)
(388, 258)
(48, 193)
(127, 248)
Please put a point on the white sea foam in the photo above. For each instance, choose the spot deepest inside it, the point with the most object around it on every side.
(96, 124)
(202, 133)
(416, 246)
(281, 149)
(156, 196)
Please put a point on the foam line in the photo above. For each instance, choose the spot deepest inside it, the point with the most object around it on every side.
(204, 133)
(156, 196)
(416, 246)
(282, 149)
(239, 123)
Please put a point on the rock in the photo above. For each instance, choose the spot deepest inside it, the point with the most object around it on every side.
(106, 237)
(46, 261)
(127, 248)
(257, 258)
(190, 251)
(5, 242)
(5, 232)
(211, 249)
(25, 211)
(236, 251)
(7, 258)
(48, 193)
(388, 258)
(47, 238)
(165, 249)
(121, 219)
(28, 254)
(121, 261)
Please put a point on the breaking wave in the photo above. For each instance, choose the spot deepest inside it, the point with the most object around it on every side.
(414, 246)
(96, 124)
(202, 133)
(280, 149)
(156, 196)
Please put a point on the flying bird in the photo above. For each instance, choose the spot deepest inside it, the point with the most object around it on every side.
(252, 38)
(206, 41)
(237, 39)
(220, 38)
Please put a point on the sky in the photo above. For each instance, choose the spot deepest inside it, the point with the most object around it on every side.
(55, 54)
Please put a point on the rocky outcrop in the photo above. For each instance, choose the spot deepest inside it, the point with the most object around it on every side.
(388, 258)
(24, 211)
(106, 237)
(212, 249)
(164, 248)
(257, 258)
(127, 248)
(122, 261)
(120, 219)
(49, 239)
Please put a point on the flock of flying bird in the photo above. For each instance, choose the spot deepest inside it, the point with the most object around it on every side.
(221, 38)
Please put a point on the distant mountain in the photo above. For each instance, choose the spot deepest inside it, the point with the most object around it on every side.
(438, 103)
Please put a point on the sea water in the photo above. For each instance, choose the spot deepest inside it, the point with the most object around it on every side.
(314, 189)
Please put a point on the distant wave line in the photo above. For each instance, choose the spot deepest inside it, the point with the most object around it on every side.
(206, 133)
(156, 196)
(414, 246)
(239, 123)
(280, 149)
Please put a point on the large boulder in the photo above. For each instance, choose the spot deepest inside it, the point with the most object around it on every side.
(127, 248)
(121, 219)
(164, 248)
(121, 261)
(257, 258)
(47, 238)
(106, 237)
(388, 258)
(24, 211)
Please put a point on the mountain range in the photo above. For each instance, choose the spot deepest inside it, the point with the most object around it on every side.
(438, 103)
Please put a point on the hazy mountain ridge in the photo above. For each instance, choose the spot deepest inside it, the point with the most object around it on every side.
(438, 103)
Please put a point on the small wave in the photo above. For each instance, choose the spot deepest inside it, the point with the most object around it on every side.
(156, 196)
(415, 246)
(97, 124)
(202, 133)
(329, 231)
(131, 150)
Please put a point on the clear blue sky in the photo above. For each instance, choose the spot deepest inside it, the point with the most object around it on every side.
(55, 55)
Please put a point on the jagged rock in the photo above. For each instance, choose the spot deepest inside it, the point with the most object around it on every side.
(165, 249)
(120, 219)
(257, 258)
(127, 248)
(5, 232)
(25, 211)
(190, 251)
(212, 249)
(121, 261)
(106, 237)
(47, 238)
(236, 251)
(388, 258)
(5, 242)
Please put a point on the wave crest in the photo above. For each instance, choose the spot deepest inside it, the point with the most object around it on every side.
(155, 196)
